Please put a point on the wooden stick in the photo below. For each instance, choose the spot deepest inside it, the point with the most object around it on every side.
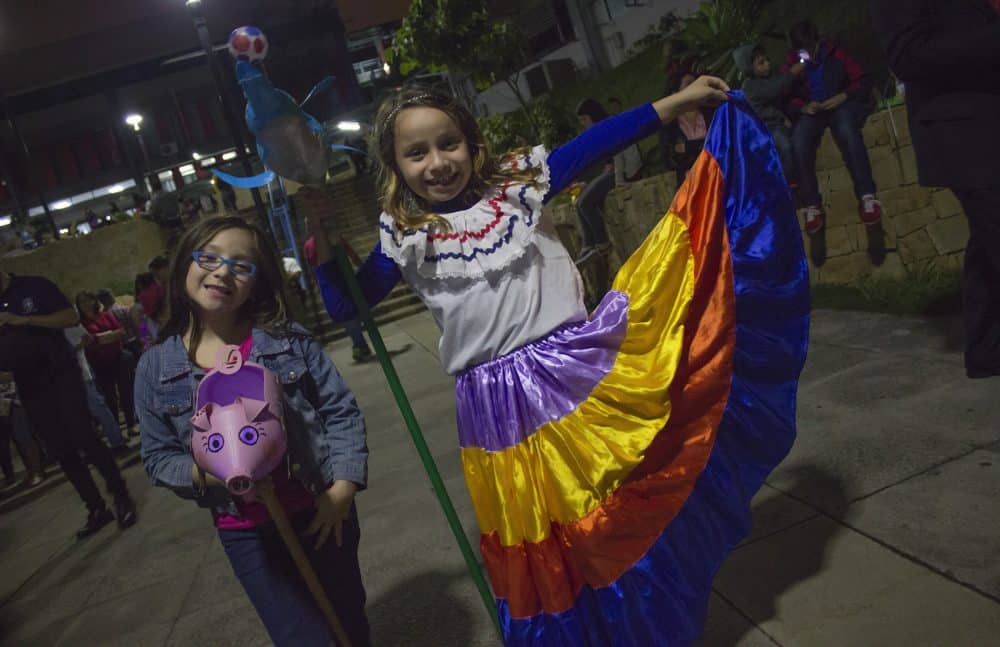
(291, 540)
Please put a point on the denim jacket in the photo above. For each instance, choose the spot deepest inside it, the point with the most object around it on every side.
(325, 428)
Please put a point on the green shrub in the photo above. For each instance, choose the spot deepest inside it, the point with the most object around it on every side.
(924, 290)
(717, 28)
(505, 131)
(510, 129)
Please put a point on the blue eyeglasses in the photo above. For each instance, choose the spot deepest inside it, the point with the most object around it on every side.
(211, 261)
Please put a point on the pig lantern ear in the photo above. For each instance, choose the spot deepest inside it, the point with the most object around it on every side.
(202, 421)
(228, 360)
(256, 410)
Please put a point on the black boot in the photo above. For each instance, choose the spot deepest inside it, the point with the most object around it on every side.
(125, 510)
(96, 519)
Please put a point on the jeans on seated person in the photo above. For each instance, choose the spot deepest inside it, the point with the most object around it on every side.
(845, 124)
(782, 136)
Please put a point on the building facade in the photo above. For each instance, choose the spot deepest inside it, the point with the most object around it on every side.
(73, 75)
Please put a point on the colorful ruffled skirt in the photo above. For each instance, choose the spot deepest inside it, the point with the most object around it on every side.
(611, 464)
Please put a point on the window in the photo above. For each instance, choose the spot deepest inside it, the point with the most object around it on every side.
(615, 8)
(113, 188)
(167, 181)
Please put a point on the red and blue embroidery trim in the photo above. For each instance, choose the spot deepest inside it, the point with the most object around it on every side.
(464, 236)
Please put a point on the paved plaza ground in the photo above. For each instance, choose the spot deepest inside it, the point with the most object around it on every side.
(879, 529)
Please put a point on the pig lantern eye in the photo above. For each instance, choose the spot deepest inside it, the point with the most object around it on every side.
(249, 435)
(215, 443)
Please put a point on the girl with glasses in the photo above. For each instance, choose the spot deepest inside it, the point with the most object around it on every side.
(225, 288)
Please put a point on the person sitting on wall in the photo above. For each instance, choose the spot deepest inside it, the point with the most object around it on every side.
(833, 93)
(591, 200)
(628, 162)
(767, 95)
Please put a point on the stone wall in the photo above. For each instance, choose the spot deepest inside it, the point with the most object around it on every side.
(923, 227)
(109, 257)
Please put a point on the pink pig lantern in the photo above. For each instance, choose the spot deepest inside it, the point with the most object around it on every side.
(238, 438)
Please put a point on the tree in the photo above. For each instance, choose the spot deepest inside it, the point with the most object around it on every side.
(710, 35)
(463, 35)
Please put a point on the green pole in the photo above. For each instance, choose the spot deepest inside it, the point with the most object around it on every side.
(403, 402)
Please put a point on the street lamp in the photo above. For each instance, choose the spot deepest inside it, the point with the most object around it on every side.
(134, 120)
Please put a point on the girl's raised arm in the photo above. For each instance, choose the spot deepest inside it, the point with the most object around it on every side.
(609, 136)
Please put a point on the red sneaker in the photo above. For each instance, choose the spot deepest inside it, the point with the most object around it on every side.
(870, 210)
(814, 219)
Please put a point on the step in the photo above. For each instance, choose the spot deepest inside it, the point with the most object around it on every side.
(316, 319)
(401, 301)
(400, 295)
(339, 333)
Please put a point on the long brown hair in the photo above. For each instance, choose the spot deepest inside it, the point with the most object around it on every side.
(407, 209)
(266, 306)
(87, 294)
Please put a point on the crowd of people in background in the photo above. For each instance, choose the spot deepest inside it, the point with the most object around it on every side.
(57, 390)
(819, 86)
(111, 335)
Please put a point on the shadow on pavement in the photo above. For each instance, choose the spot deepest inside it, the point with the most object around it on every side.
(372, 359)
(948, 327)
(785, 568)
(425, 611)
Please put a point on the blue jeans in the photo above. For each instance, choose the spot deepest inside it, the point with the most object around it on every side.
(588, 207)
(279, 594)
(782, 137)
(99, 409)
(355, 332)
(845, 123)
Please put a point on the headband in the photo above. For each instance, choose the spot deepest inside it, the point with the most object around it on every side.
(404, 104)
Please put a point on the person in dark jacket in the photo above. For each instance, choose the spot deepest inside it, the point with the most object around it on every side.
(833, 93)
(947, 54)
(767, 93)
(50, 386)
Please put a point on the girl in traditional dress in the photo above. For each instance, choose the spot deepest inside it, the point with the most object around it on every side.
(610, 456)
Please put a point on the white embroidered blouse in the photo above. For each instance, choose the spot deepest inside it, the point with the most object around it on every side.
(499, 279)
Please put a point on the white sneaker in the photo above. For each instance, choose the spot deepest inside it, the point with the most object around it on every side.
(871, 209)
(814, 219)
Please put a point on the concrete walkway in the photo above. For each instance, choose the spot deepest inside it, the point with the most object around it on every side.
(879, 529)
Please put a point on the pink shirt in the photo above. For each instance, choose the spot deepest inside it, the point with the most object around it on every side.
(693, 125)
(292, 495)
